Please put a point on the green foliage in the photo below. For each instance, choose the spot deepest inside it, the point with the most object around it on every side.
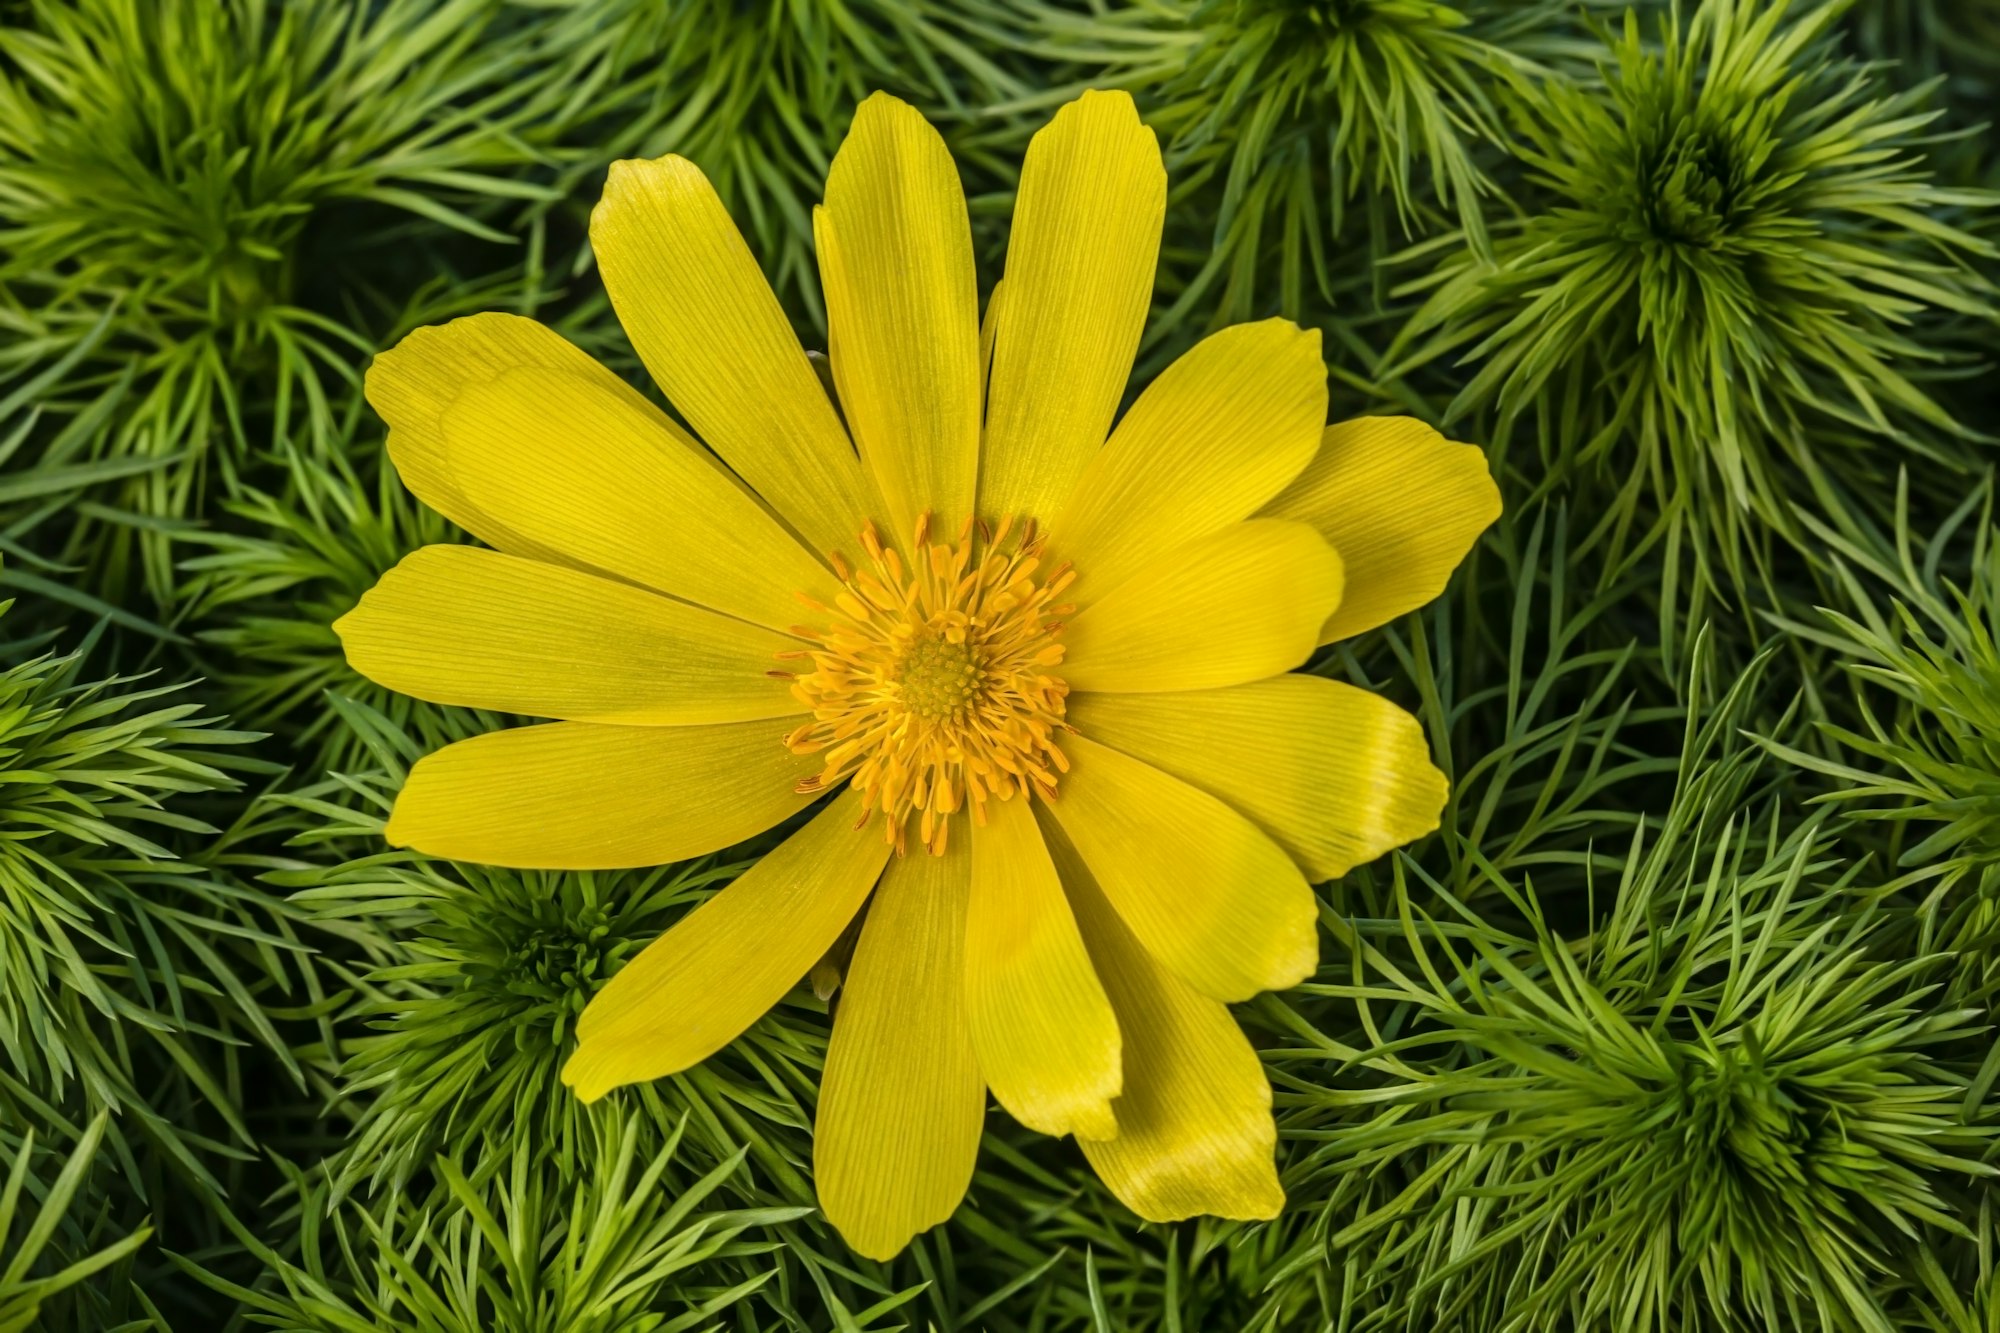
(460, 1027)
(1721, 305)
(1917, 762)
(125, 960)
(1958, 38)
(759, 97)
(266, 593)
(1304, 110)
(1709, 1106)
(160, 166)
(1930, 655)
(529, 1251)
(28, 1239)
(1630, 1142)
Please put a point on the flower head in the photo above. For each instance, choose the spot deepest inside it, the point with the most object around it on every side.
(1031, 669)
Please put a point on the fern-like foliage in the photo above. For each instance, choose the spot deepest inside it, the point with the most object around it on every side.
(1714, 305)
(616, 1248)
(1912, 758)
(1709, 1107)
(759, 97)
(34, 1274)
(262, 598)
(161, 165)
(124, 956)
(1282, 117)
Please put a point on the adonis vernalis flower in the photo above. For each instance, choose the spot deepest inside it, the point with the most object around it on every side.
(1032, 669)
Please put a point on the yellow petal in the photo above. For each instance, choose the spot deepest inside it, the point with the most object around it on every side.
(1041, 1026)
(1195, 1134)
(413, 383)
(1334, 774)
(1219, 433)
(1244, 603)
(716, 341)
(697, 987)
(615, 486)
(1401, 504)
(901, 1103)
(987, 323)
(579, 796)
(1210, 896)
(1080, 258)
(482, 629)
(902, 311)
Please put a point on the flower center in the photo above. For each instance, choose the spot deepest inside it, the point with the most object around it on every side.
(932, 686)
(940, 678)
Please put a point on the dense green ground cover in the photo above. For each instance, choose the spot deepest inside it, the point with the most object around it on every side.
(1685, 1019)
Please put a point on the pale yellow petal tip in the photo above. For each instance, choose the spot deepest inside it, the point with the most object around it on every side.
(1088, 1115)
(1438, 788)
(1235, 1200)
(345, 625)
(1479, 476)
(402, 814)
(589, 1075)
(630, 177)
(396, 830)
(1464, 462)
(1278, 324)
(880, 1238)
(1294, 955)
(1428, 788)
(1109, 103)
(411, 384)
(1288, 962)
(1257, 1205)
(382, 368)
(413, 820)
(881, 103)
(1113, 112)
(667, 164)
(1454, 499)
(420, 343)
(1430, 791)
(1303, 961)
(1467, 465)
(1096, 1121)
(384, 383)
(880, 1248)
(354, 630)
(360, 628)
(1108, 98)
(408, 347)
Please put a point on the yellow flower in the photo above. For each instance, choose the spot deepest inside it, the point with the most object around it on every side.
(1033, 666)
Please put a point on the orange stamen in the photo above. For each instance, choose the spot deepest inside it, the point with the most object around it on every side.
(932, 690)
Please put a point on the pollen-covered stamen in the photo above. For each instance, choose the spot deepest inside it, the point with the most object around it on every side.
(933, 688)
